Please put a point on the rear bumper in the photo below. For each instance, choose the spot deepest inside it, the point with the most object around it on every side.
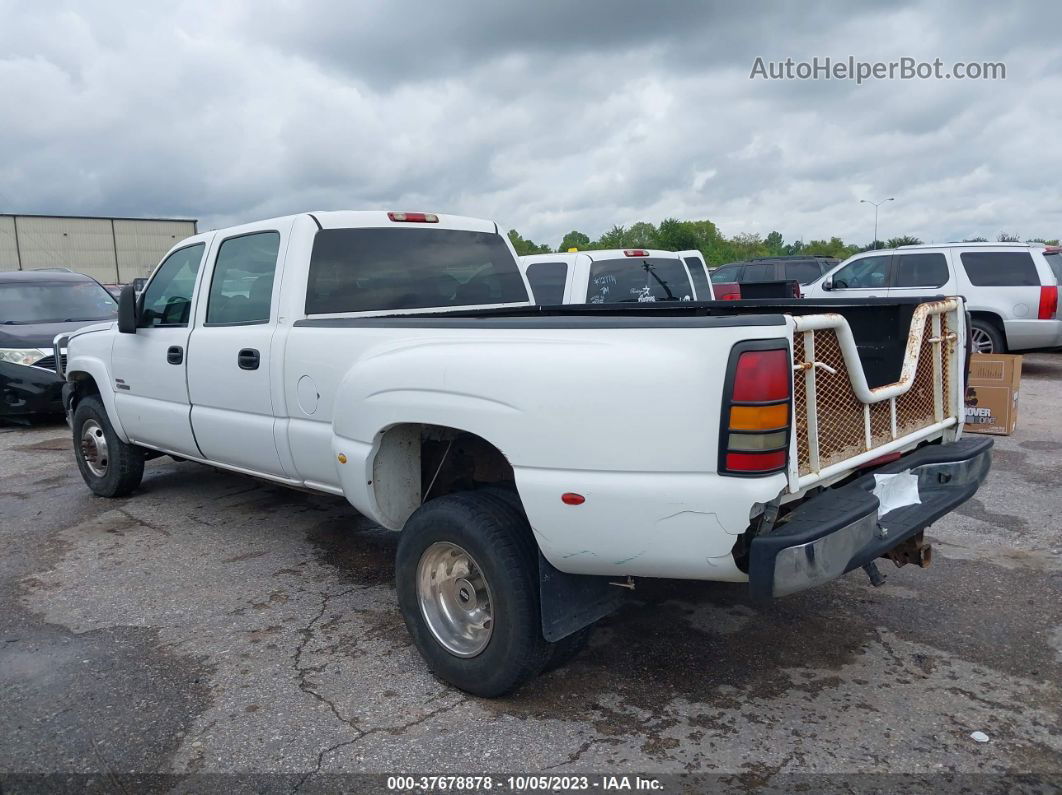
(26, 391)
(839, 530)
(1023, 335)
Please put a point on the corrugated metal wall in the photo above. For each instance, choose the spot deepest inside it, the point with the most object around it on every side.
(109, 250)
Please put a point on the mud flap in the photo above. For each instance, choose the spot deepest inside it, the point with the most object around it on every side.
(570, 602)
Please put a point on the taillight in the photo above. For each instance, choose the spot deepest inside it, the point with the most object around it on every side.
(1048, 303)
(414, 218)
(635, 252)
(755, 424)
(728, 291)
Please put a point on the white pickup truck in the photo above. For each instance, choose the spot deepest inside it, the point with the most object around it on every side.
(533, 457)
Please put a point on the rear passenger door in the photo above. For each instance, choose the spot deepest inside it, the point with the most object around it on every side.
(229, 358)
(921, 273)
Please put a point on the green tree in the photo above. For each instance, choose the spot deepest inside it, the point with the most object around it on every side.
(1045, 241)
(1004, 237)
(574, 239)
(903, 240)
(834, 247)
(640, 235)
(676, 235)
(975, 240)
(524, 246)
(613, 238)
(774, 244)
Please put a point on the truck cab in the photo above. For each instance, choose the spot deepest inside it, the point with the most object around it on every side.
(612, 276)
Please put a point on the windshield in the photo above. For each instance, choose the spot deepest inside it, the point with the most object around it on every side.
(641, 280)
(22, 303)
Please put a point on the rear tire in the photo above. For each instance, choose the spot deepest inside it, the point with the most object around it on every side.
(109, 466)
(467, 580)
(986, 337)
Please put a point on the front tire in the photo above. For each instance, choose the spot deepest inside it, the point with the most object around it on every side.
(109, 466)
(467, 579)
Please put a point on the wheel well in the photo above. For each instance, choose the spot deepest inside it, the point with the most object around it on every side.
(415, 463)
(84, 385)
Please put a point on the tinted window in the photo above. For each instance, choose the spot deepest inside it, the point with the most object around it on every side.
(547, 281)
(726, 273)
(921, 270)
(1000, 268)
(54, 302)
(241, 289)
(1054, 259)
(630, 280)
(360, 270)
(868, 272)
(700, 278)
(168, 297)
(803, 272)
(759, 272)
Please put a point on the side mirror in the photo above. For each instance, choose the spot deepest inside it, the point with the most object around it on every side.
(127, 318)
(827, 285)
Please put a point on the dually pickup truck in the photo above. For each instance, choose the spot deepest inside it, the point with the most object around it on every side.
(534, 458)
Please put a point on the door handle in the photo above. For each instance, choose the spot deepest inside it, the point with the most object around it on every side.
(248, 359)
(175, 354)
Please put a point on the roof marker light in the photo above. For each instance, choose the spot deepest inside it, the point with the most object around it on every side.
(635, 252)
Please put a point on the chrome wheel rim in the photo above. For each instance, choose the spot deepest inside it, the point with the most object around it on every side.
(982, 342)
(455, 599)
(94, 448)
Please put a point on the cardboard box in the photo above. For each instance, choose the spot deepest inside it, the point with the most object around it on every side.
(992, 393)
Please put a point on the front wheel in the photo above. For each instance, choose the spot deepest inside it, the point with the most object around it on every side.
(467, 579)
(109, 466)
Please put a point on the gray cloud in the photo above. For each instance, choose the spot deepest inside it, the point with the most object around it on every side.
(546, 116)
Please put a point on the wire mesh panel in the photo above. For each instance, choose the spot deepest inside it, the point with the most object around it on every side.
(845, 425)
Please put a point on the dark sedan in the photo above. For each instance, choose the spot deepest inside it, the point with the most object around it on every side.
(34, 307)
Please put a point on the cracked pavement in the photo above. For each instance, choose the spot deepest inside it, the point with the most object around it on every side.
(212, 623)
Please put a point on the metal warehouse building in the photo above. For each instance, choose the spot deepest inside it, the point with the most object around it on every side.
(111, 250)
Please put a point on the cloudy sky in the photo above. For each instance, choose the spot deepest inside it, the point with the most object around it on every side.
(546, 115)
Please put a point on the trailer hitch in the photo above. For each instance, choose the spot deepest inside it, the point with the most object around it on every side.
(913, 550)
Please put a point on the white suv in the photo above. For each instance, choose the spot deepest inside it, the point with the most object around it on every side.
(1011, 289)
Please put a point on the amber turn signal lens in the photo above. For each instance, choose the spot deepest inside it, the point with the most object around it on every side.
(759, 418)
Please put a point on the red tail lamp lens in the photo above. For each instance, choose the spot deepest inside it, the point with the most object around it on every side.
(761, 376)
(755, 462)
(1048, 303)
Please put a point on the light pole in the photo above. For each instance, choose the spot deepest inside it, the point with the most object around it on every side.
(876, 206)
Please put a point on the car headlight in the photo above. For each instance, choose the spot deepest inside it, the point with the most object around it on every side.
(26, 356)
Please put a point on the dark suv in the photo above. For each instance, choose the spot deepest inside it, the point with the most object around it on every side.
(801, 269)
(34, 307)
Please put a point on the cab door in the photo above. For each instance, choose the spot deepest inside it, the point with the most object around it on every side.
(149, 367)
(230, 358)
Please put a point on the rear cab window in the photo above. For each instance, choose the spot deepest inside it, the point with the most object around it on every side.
(638, 280)
(1000, 268)
(385, 269)
(547, 280)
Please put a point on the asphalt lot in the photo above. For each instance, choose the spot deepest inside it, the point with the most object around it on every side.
(211, 623)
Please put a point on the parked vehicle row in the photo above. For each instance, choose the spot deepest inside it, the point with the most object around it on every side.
(533, 454)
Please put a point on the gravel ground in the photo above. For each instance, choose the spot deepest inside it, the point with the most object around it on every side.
(215, 624)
